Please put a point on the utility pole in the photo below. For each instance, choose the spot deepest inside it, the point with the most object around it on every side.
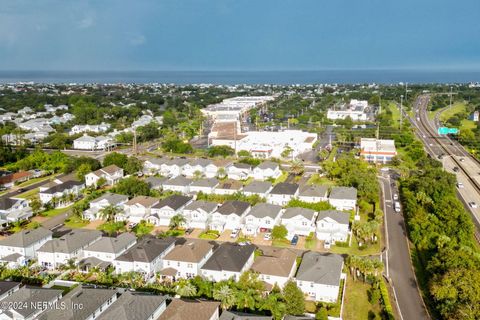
(406, 90)
(379, 112)
(450, 97)
(235, 137)
(401, 111)
(135, 141)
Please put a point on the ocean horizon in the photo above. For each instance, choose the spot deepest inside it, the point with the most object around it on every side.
(244, 77)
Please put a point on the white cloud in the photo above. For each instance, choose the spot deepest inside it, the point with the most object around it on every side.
(86, 22)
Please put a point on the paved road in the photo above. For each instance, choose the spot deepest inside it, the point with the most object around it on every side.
(56, 221)
(398, 264)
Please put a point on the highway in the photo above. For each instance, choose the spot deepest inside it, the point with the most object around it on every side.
(398, 265)
(453, 157)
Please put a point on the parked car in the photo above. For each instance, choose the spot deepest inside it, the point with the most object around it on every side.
(460, 185)
(456, 169)
(397, 207)
(21, 190)
(267, 236)
(294, 240)
(473, 205)
(132, 225)
(234, 233)
(327, 244)
(189, 230)
(395, 197)
(462, 159)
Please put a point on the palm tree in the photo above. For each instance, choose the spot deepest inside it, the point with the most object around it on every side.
(246, 299)
(185, 289)
(297, 168)
(177, 221)
(109, 212)
(54, 201)
(225, 295)
(221, 172)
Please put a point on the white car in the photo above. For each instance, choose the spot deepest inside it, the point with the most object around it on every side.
(473, 205)
(395, 197)
(132, 225)
(267, 236)
(460, 185)
(234, 233)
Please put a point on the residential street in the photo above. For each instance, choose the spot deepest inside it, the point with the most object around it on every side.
(398, 265)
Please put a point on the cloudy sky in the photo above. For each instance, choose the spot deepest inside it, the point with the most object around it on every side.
(238, 34)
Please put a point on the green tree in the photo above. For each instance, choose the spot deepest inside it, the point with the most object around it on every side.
(225, 294)
(244, 154)
(294, 299)
(279, 232)
(185, 289)
(220, 151)
(82, 170)
(177, 221)
(109, 212)
(322, 314)
(36, 205)
(118, 159)
(133, 165)
(132, 187)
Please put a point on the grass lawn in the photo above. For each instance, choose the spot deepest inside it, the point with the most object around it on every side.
(356, 305)
(468, 124)
(29, 194)
(317, 179)
(282, 178)
(30, 225)
(208, 235)
(36, 180)
(280, 243)
(55, 212)
(392, 107)
(457, 107)
(311, 243)
(75, 222)
(356, 250)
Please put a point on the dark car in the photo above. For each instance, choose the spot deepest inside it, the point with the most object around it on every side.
(21, 190)
(455, 169)
(189, 230)
(294, 240)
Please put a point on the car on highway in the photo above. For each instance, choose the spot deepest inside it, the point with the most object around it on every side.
(462, 159)
(456, 169)
(460, 185)
(294, 240)
(473, 205)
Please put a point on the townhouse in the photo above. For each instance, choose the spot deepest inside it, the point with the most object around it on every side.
(10, 179)
(262, 218)
(259, 188)
(145, 257)
(108, 248)
(69, 247)
(185, 260)
(313, 193)
(299, 221)
(319, 276)
(198, 213)
(282, 193)
(112, 174)
(156, 183)
(14, 209)
(191, 309)
(28, 303)
(24, 244)
(163, 211)
(267, 170)
(229, 216)
(7, 288)
(275, 266)
(59, 191)
(95, 128)
(153, 166)
(108, 199)
(343, 198)
(332, 226)
(135, 305)
(229, 261)
(196, 168)
(178, 184)
(173, 167)
(206, 185)
(228, 187)
(239, 171)
(137, 209)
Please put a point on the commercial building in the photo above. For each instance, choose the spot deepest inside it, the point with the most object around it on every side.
(377, 150)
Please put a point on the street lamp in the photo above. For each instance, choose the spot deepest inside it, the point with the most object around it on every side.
(401, 110)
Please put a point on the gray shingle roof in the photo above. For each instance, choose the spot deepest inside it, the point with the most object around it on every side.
(229, 257)
(26, 299)
(236, 315)
(90, 299)
(268, 165)
(320, 268)
(25, 238)
(112, 198)
(258, 187)
(313, 191)
(133, 306)
(155, 182)
(146, 250)
(178, 181)
(207, 206)
(233, 206)
(262, 210)
(200, 162)
(62, 187)
(6, 286)
(175, 202)
(243, 166)
(296, 211)
(71, 241)
(343, 193)
(7, 203)
(339, 216)
(209, 183)
(111, 244)
(285, 188)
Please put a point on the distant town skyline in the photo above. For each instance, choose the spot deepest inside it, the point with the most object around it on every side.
(239, 35)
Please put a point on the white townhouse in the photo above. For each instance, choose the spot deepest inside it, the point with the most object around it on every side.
(153, 166)
(299, 221)
(14, 209)
(60, 251)
(178, 184)
(87, 142)
(262, 218)
(196, 168)
(146, 257)
(112, 174)
(198, 213)
(343, 198)
(28, 303)
(163, 211)
(239, 171)
(333, 225)
(108, 248)
(156, 183)
(228, 187)
(206, 185)
(24, 244)
(135, 306)
(313, 193)
(275, 266)
(267, 170)
(185, 260)
(173, 167)
(96, 128)
(60, 190)
(259, 188)
(137, 209)
(229, 216)
(282, 193)
(229, 261)
(319, 276)
(108, 199)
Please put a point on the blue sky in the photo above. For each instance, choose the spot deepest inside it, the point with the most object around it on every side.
(239, 34)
